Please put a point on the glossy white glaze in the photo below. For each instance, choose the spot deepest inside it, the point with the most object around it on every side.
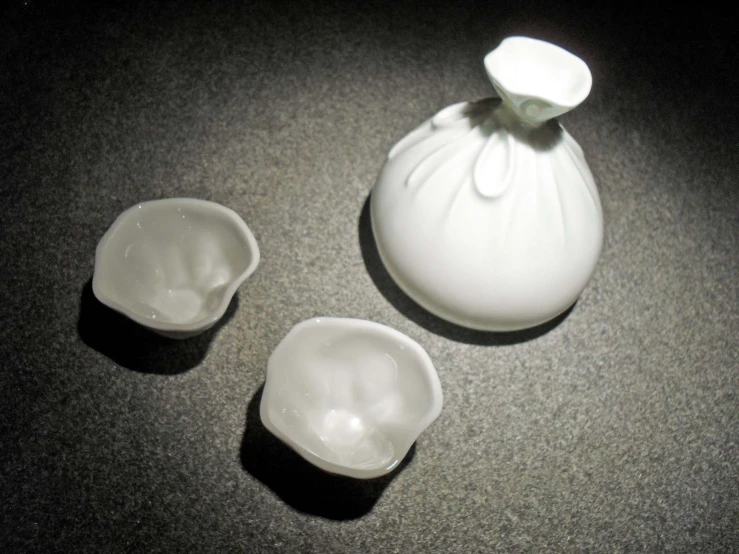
(350, 396)
(173, 265)
(489, 220)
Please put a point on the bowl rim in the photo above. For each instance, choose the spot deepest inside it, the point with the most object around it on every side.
(429, 373)
(208, 207)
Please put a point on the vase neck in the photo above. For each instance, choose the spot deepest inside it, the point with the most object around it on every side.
(514, 117)
(538, 81)
(539, 135)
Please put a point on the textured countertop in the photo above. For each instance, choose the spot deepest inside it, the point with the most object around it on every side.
(613, 429)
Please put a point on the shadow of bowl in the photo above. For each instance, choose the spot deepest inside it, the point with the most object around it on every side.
(136, 348)
(413, 311)
(302, 485)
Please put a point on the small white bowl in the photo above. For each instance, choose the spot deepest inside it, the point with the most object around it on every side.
(173, 265)
(350, 396)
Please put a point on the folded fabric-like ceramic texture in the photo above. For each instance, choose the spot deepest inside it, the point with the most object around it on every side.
(486, 222)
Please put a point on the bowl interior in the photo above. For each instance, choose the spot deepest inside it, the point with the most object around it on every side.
(172, 261)
(353, 396)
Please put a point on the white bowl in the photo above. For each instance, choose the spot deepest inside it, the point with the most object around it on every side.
(350, 396)
(173, 265)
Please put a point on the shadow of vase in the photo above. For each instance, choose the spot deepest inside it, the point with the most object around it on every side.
(136, 348)
(302, 485)
(413, 311)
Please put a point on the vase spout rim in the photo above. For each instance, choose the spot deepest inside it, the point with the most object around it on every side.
(539, 80)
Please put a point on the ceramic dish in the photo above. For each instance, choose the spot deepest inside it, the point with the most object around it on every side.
(350, 396)
(173, 265)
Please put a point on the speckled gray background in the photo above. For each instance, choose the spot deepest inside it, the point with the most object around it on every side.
(614, 429)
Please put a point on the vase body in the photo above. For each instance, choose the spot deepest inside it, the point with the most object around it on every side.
(487, 215)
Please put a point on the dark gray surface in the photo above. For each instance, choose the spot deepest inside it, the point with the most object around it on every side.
(615, 429)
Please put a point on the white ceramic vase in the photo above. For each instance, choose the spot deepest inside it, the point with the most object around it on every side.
(487, 215)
